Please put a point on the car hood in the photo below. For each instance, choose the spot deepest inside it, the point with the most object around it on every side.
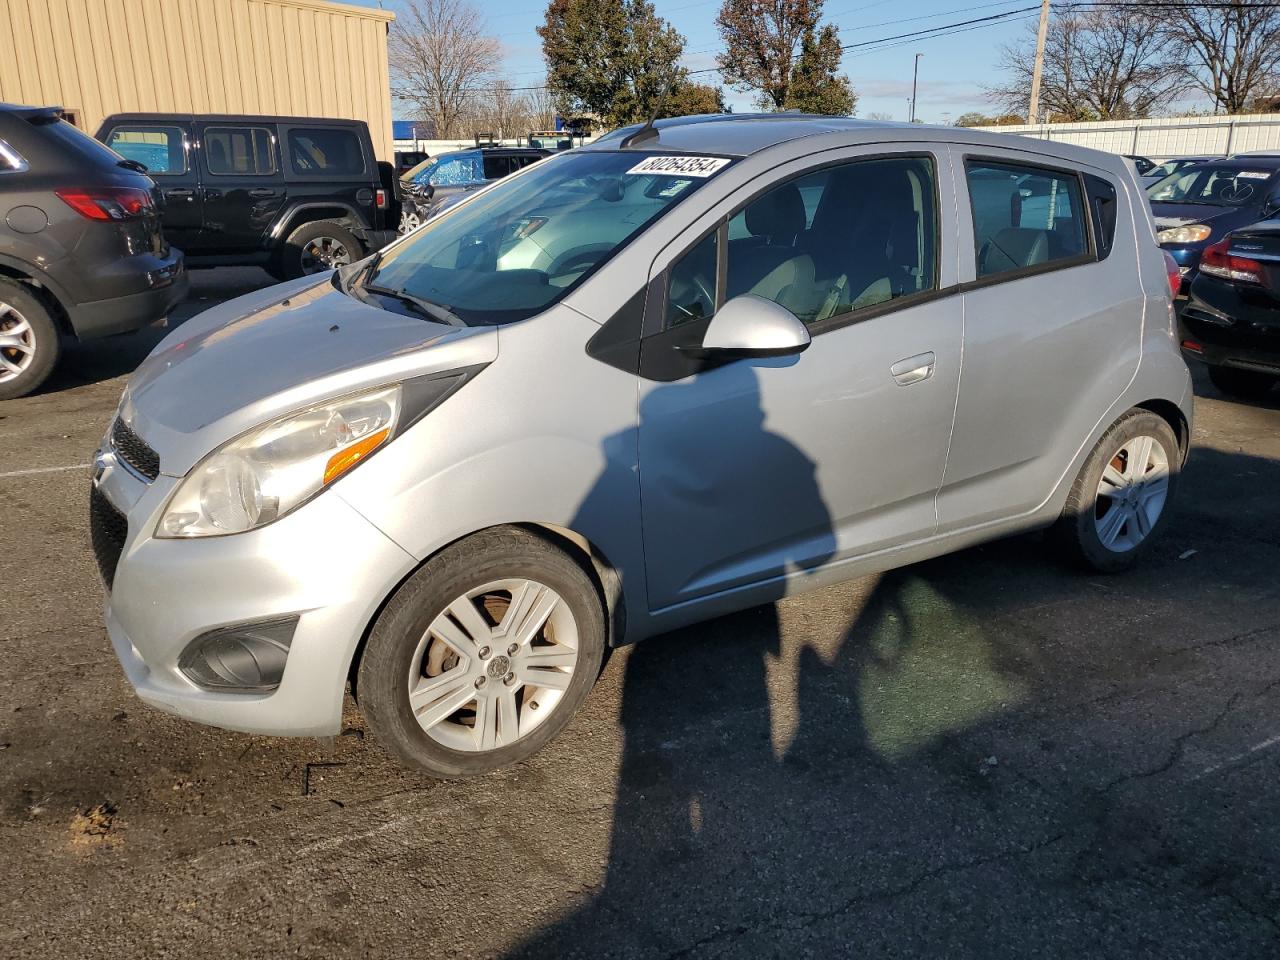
(252, 359)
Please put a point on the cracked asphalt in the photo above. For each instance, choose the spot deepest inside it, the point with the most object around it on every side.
(986, 755)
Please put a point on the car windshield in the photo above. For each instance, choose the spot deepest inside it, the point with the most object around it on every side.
(512, 250)
(1217, 186)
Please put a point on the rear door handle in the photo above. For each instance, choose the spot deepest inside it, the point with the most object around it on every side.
(913, 369)
(180, 193)
(213, 194)
(261, 192)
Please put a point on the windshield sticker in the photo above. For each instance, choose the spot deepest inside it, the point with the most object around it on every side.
(1254, 174)
(685, 166)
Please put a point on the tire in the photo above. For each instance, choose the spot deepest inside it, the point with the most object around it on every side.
(33, 345)
(1248, 384)
(316, 247)
(1089, 531)
(406, 647)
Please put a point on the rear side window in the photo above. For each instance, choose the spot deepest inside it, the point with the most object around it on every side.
(326, 152)
(10, 160)
(162, 150)
(246, 151)
(495, 168)
(1024, 217)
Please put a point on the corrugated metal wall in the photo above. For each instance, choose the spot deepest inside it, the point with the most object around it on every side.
(1162, 138)
(288, 57)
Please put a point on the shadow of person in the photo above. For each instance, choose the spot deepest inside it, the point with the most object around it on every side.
(725, 500)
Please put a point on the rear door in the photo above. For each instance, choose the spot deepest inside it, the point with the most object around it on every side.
(242, 185)
(164, 148)
(328, 163)
(1052, 325)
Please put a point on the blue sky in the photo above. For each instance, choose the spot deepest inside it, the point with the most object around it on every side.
(953, 70)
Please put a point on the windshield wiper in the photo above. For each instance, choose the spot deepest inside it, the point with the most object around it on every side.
(435, 311)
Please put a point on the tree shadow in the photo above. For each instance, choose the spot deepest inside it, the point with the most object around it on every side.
(960, 735)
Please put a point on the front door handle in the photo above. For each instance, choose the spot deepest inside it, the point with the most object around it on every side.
(913, 369)
(180, 193)
(261, 193)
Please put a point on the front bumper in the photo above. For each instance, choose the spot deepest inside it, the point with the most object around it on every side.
(324, 563)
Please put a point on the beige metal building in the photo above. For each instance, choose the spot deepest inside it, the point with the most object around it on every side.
(287, 57)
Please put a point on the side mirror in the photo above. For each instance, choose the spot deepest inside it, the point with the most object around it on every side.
(751, 326)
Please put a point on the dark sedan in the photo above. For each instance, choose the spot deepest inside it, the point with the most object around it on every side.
(1232, 319)
(1198, 206)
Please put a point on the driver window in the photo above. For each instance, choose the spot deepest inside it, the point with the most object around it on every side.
(692, 293)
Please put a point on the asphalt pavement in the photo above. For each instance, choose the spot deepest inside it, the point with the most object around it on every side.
(987, 755)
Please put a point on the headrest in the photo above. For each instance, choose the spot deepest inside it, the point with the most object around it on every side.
(779, 213)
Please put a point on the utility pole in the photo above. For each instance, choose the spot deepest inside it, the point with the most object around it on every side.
(1034, 112)
(915, 75)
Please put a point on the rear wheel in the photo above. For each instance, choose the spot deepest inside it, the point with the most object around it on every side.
(483, 655)
(29, 343)
(1117, 503)
(1249, 384)
(317, 247)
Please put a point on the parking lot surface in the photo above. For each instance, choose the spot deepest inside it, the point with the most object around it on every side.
(986, 755)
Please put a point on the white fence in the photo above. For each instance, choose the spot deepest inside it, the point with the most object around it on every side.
(1161, 139)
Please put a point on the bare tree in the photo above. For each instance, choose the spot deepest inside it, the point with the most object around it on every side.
(499, 111)
(541, 107)
(1231, 48)
(1098, 65)
(440, 60)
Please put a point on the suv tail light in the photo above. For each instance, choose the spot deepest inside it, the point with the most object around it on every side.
(381, 196)
(1173, 272)
(108, 203)
(1218, 261)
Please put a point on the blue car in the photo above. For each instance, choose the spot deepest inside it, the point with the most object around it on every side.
(1199, 205)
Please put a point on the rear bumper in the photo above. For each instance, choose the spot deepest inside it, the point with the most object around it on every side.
(1231, 327)
(167, 284)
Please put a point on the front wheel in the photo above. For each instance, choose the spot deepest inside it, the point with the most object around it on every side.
(1249, 384)
(483, 655)
(1117, 503)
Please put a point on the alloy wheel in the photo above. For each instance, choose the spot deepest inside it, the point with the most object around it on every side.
(324, 253)
(1132, 494)
(17, 343)
(493, 665)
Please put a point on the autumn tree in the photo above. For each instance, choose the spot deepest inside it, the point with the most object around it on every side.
(689, 99)
(765, 42)
(440, 59)
(1230, 50)
(1105, 64)
(815, 86)
(612, 58)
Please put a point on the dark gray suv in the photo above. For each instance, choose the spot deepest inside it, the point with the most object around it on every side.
(81, 250)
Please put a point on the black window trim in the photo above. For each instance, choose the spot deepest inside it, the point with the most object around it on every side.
(142, 127)
(1007, 276)
(838, 321)
(276, 166)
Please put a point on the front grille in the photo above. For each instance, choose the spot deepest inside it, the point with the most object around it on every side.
(108, 529)
(133, 450)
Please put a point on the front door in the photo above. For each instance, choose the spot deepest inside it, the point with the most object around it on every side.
(243, 187)
(753, 470)
(165, 150)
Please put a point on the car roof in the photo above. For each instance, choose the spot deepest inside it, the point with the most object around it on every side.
(741, 135)
(1266, 161)
(229, 118)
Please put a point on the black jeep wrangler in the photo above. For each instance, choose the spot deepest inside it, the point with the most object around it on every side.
(295, 195)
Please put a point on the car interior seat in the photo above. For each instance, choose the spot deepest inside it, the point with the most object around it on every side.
(768, 262)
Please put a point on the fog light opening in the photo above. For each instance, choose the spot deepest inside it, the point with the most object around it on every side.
(245, 658)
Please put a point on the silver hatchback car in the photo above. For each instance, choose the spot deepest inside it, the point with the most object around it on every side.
(682, 371)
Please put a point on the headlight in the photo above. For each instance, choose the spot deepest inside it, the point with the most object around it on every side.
(262, 475)
(1192, 233)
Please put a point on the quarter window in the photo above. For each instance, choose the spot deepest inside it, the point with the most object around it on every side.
(1024, 217)
(248, 151)
(329, 152)
(692, 293)
(162, 150)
